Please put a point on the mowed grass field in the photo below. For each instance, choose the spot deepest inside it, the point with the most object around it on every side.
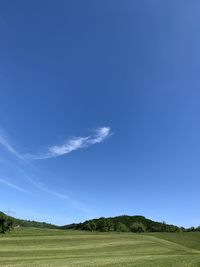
(58, 248)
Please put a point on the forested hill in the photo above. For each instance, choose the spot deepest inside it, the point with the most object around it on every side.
(124, 224)
(4, 219)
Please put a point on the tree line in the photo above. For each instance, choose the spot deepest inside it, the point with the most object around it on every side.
(136, 224)
(124, 223)
(7, 223)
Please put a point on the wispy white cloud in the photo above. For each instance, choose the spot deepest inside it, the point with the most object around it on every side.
(13, 186)
(73, 144)
(10, 148)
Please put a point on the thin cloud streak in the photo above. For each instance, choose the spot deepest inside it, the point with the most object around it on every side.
(13, 186)
(10, 148)
(73, 144)
(73, 202)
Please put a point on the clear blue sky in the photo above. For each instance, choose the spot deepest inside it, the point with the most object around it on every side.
(99, 109)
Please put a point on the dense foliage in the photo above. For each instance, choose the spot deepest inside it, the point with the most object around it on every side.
(124, 223)
(6, 223)
(137, 224)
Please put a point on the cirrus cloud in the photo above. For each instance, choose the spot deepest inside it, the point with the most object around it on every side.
(73, 144)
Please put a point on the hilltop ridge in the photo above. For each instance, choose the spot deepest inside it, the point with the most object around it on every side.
(124, 223)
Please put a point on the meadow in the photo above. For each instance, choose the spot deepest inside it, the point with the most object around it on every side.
(33, 247)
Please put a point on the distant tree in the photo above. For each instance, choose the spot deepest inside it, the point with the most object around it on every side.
(89, 226)
(92, 226)
(155, 228)
(165, 227)
(197, 228)
(101, 225)
(5, 225)
(110, 225)
(138, 227)
(120, 227)
(86, 227)
(10, 224)
(2, 221)
(191, 229)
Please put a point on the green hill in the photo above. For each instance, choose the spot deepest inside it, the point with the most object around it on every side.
(124, 223)
(25, 223)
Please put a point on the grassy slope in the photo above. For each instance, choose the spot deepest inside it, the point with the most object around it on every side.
(190, 239)
(26, 223)
(57, 248)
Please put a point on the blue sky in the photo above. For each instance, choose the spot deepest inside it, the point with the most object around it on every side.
(99, 109)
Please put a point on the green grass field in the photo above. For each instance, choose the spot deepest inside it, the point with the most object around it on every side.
(58, 248)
